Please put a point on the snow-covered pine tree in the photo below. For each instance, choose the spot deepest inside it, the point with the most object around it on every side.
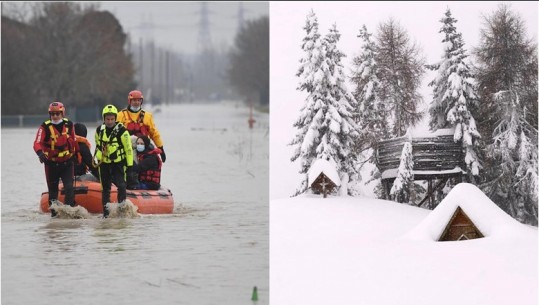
(371, 114)
(399, 74)
(507, 78)
(454, 95)
(340, 130)
(311, 47)
(305, 139)
(325, 126)
(405, 175)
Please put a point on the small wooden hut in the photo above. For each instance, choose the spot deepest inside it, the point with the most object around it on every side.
(460, 227)
(323, 177)
(435, 156)
(323, 185)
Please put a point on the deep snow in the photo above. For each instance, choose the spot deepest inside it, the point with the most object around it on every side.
(353, 250)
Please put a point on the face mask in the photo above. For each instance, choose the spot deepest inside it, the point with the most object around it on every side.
(135, 109)
(140, 147)
(56, 122)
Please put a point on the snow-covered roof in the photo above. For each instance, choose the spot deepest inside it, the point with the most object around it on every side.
(329, 168)
(392, 173)
(425, 133)
(485, 214)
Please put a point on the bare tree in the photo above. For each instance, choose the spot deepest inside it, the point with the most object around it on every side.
(400, 69)
(249, 61)
(66, 51)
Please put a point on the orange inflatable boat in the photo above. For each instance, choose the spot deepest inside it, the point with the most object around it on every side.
(88, 195)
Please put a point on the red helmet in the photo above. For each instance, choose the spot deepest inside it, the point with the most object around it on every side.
(57, 107)
(134, 94)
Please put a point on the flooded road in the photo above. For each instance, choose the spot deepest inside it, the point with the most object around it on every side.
(213, 250)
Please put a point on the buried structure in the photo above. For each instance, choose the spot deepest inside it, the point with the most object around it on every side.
(460, 227)
(466, 213)
(323, 177)
(436, 156)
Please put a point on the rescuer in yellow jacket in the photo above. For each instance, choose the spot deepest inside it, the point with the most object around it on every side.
(114, 154)
(140, 122)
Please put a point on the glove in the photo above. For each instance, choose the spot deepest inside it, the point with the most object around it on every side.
(129, 170)
(163, 156)
(42, 156)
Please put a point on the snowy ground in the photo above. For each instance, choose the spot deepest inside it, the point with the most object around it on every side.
(345, 250)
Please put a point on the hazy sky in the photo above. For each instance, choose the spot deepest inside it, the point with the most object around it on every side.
(175, 25)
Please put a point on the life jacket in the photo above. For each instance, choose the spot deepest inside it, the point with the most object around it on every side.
(137, 127)
(79, 140)
(58, 147)
(110, 148)
(153, 175)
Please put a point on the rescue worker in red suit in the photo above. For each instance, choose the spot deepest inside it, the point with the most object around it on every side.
(55, 145)
(149, 165)
(140, 122)
(83, 160)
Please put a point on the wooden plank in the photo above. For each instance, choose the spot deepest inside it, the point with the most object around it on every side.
(439, 146)
(434, 140)
(386, 151)
(436, 176)
(437, 154)
(434, 154)
(392, 141)
(431, 166)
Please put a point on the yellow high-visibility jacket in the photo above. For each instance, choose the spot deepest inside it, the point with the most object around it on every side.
(140, 123)
(109, 149)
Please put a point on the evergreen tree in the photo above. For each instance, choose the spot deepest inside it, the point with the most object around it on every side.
(507, 78)
(399, 74)
(340, 131)
(325, 127)
(372, 116)
(309, 65)
(405, 175)
(311, 46)
(454, 96)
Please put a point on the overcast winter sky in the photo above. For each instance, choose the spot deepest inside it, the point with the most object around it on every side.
(176, 24)
(419, 19)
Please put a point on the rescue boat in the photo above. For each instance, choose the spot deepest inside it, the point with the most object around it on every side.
(88, 195)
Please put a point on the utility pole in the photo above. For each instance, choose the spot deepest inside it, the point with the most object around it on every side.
(152, 65)
(167, 77)
(241, 18)
(205, 74)
(141, 64)
(204, 42)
